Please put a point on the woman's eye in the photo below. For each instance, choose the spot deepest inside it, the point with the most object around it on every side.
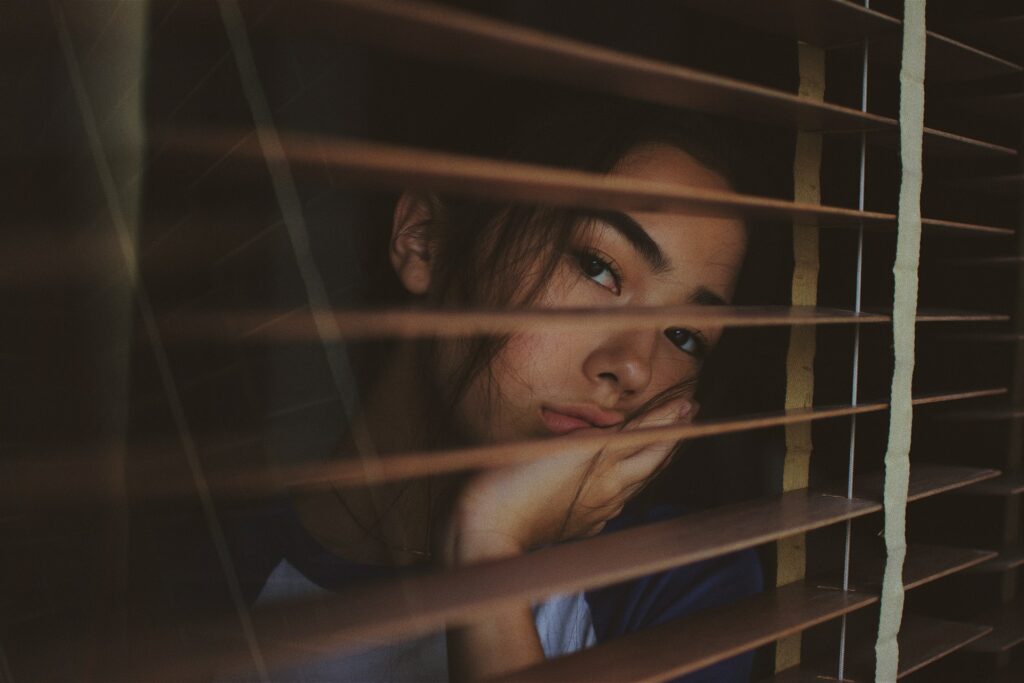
(687, 340)
(600, 271)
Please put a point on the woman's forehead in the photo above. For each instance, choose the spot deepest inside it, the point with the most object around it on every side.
(666, 163)
(701, 248)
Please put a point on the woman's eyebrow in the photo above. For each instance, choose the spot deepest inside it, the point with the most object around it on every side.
(638, 237)
(705, 297)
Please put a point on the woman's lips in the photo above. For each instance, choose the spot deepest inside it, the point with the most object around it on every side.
(565, 419)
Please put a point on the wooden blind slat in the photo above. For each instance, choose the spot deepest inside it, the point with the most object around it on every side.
(1007, 559)
(925, 315)
(304, 325)
(801, 675)
(403, 167)
(997, 414)
(947, 144)
(924, 563)
(416, 604)
(1007, 485)
(1000, 35)
(987, 337)
(840, 23)
(351, 471)
(1006, 106)
(374, 164)
(956, 227)
(407, 606)
(922, 641)
(28, 481)
(301, 325)
(925, 481)
(1007, 184)
(679, 647)
(445, 34)
(941, 397)
(1007, 623)
(951, 59)
(986, 261)
(823, 23)
(685, 645)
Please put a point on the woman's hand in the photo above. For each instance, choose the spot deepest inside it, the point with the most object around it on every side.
(504, 511)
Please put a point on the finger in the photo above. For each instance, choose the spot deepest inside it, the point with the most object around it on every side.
(672, 412)
(645, 463)
(677, 411)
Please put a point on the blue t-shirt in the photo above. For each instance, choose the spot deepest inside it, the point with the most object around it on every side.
(565, 623)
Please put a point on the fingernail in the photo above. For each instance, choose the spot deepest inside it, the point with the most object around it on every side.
(685, 409)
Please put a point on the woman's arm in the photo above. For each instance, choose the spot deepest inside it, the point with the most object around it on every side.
(504, 642)
(504, 512)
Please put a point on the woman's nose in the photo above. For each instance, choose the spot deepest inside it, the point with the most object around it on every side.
(623, 361)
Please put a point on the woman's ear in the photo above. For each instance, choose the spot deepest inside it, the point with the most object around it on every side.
(412, 248)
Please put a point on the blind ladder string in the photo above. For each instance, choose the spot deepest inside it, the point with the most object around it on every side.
(856, 355)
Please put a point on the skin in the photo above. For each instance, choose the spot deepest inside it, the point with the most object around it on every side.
(616, 372)
(542, 383)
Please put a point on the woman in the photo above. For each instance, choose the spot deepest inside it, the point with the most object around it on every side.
(441, 394)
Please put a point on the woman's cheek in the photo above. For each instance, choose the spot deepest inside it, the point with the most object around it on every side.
(540, 367)
(529, 361)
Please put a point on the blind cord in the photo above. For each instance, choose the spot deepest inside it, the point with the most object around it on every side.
(856, 354)
(905, 293)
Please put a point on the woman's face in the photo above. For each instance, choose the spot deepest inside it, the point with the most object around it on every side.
(548, 383)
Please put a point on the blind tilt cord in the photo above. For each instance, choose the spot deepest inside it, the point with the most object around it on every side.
(908, 252)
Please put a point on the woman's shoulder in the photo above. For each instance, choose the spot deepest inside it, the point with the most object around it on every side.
(272, 549)
(674, 593)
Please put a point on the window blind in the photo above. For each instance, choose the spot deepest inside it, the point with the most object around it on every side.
(232, 237)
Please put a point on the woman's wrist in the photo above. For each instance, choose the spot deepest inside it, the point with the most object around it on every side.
(466, 541)
(472, 548)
